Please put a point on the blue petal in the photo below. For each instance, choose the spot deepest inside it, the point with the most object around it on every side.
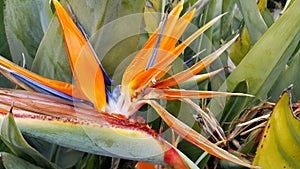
(45, 89)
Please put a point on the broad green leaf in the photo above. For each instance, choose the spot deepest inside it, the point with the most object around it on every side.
(66, 157)
(264, 62)
(152, 15)
(11, 161)
(4, 49)
(280, 144)
(253, 19)
(25, 24)
(46, 149)
(4, 148)
(226, 27)
(234, 106)
(12, 138)
(254, 23)
(51, 58)
(241, 47)
(92, 14)
(288, 77)
(5, 83)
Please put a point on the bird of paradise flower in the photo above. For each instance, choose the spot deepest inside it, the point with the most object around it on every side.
(142, 82)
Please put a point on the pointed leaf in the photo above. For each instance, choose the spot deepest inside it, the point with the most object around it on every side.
(234, 106)
(279, 147)
(13, 138)
(241, 47)
(4, 49)
(255, 24)
(253, 19)
(287, 78)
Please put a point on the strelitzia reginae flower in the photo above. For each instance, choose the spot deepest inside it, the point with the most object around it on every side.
(95, 120)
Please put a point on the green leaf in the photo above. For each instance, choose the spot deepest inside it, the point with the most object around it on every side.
(66, 157)
(25, 24)
(241, 47)
(4, 82)
(268, 17)
(264, 62)
(226, 27)
(152, 15)
(91, 14)
(51, 59)
(234, 106)
(13, 139)
(11, 161)
(255, 23)
(288, 77)
(4, 148)
(45, 148)
(280, 144)
(91, 161)
(4, 49)
(253, 20)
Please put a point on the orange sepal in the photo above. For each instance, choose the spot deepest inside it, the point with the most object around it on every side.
(85, 67)
(140, 61)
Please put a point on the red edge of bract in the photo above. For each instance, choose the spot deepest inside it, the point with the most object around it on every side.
(121, 121)
(173, 158)
(43, 117)
(114, 120)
